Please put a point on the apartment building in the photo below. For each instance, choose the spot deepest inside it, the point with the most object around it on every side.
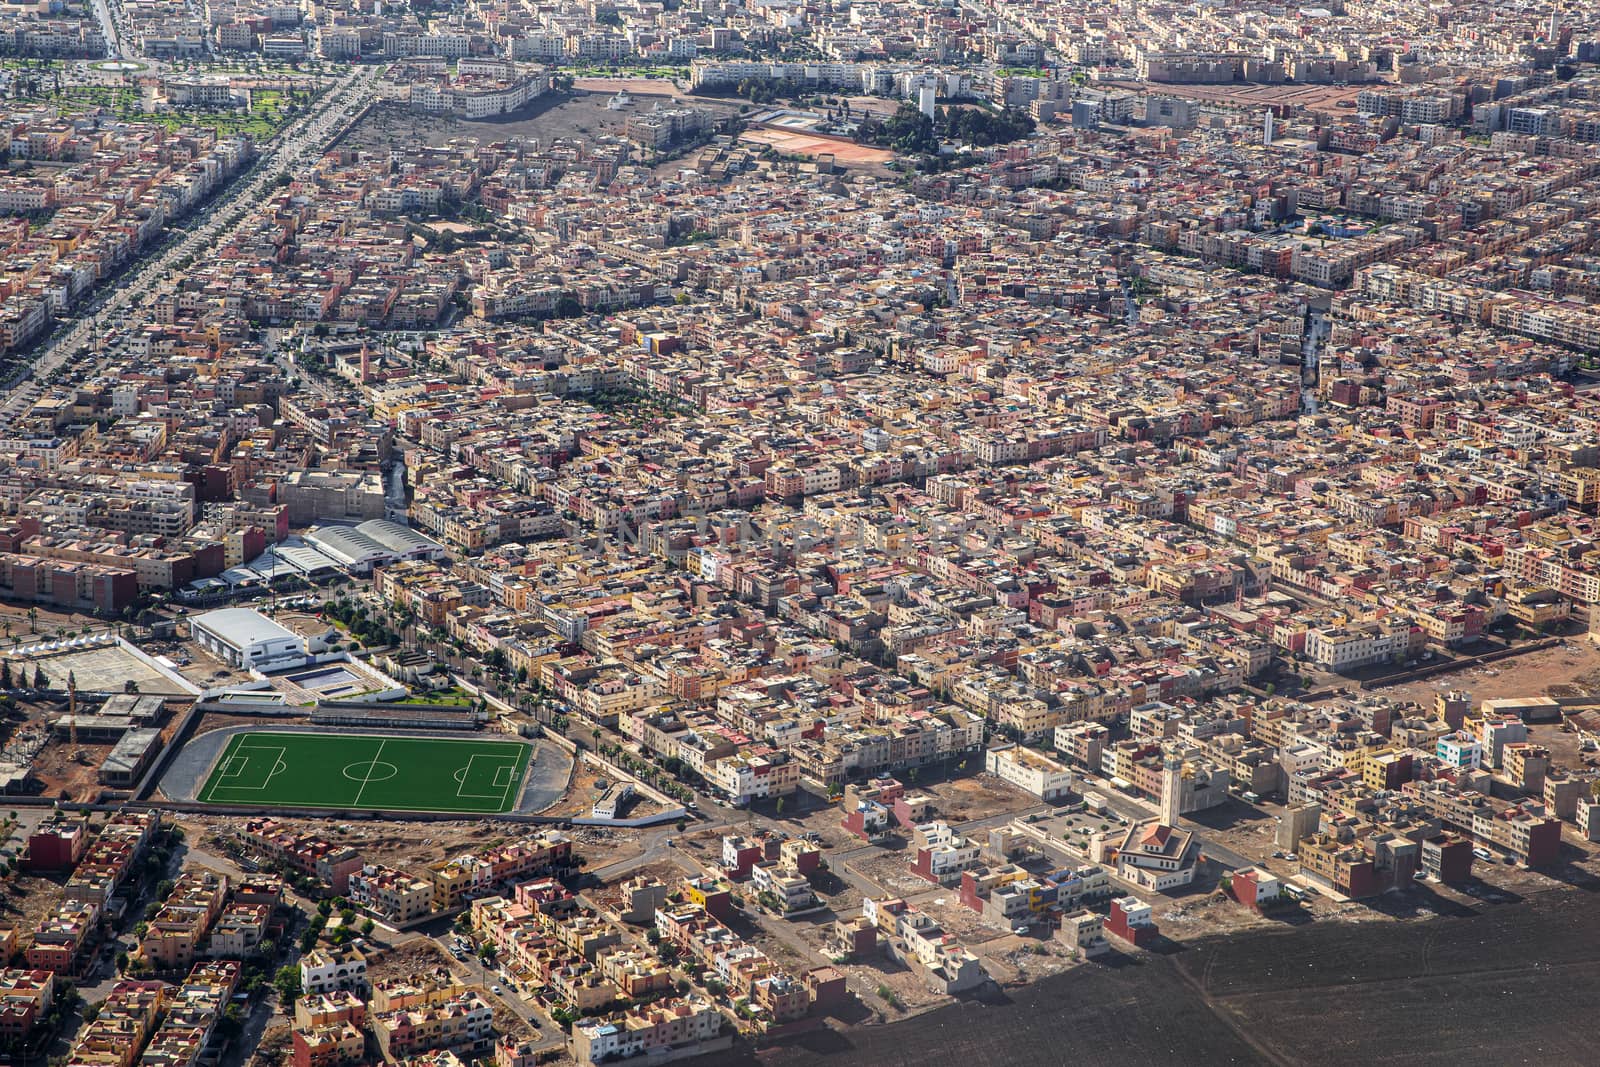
(1029, 771)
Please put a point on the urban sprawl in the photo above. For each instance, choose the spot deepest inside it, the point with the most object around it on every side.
(579, 532)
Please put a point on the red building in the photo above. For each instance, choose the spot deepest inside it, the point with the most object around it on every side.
(826, 987)
(1448, 858)
(1130, 920)
(1255, 888)
(25, 998)
(58, 843)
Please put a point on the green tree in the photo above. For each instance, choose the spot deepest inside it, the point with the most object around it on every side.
(288, 983)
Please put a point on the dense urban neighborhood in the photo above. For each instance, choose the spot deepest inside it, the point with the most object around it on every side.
(783, 532)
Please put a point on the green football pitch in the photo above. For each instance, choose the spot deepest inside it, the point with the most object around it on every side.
(361, 772)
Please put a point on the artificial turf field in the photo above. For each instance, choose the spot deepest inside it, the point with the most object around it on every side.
(359, 772)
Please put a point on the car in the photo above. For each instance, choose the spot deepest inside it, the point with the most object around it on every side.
(495, 990)
(1291, 857)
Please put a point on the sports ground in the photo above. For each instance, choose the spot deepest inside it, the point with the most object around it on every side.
(363, 772)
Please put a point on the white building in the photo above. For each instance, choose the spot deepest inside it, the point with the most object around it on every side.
(325, 970)
(1029, 771)
(942, 854)
(1460, 749)
(247, 640)
(1340, 648)
(1157, 857)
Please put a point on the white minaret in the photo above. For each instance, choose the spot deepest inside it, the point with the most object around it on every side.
(1266, 127)
(927, 95)
(1171, 790)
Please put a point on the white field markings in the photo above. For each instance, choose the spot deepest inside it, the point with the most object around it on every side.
(511, 779)
(464, 776)
(372, 766)
(524, 760)
(275, 766)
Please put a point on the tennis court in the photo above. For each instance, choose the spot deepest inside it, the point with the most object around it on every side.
(360, 772)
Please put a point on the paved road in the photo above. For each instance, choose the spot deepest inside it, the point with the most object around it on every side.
(107, 13)
(308, 135)
(473, 971)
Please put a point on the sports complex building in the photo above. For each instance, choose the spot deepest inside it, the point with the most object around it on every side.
(248, 640)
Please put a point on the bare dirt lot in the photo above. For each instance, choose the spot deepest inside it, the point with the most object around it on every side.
(1311, 97)
(420, 955)
(1459, 989)
(584, 116)
(28, 899)
(799, 143)
(394, 843)
(70, 773)
(978, 797)
(1575, 664)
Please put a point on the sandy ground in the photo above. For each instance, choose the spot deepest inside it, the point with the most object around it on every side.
(28, 899)
(60, 774)
(632, 86)
(803, 144)
(420, 955)
(583, 117)
(1576, 664)
(1314, 97)
(397, 844)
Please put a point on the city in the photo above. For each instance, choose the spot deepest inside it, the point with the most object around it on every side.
(788, 533)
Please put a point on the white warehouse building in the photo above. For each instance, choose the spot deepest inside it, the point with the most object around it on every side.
(247, 640)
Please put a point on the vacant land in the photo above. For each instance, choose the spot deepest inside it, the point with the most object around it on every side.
(1307, 96)
(1458, 990)
(584, 116)
(368, 773)
(802, 143)
(1571, 669)
(100, 669)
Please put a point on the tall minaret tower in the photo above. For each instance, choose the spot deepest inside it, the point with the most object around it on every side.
(1171, 789)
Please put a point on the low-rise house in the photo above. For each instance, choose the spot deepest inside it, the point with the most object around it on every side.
(464, 1020)
(25, 999)
(1084, 931)
(677, 1023)
(325, 969)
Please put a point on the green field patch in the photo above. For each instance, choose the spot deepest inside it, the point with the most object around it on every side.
(368, 773)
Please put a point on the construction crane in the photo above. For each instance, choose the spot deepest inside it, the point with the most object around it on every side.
(72, 714)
